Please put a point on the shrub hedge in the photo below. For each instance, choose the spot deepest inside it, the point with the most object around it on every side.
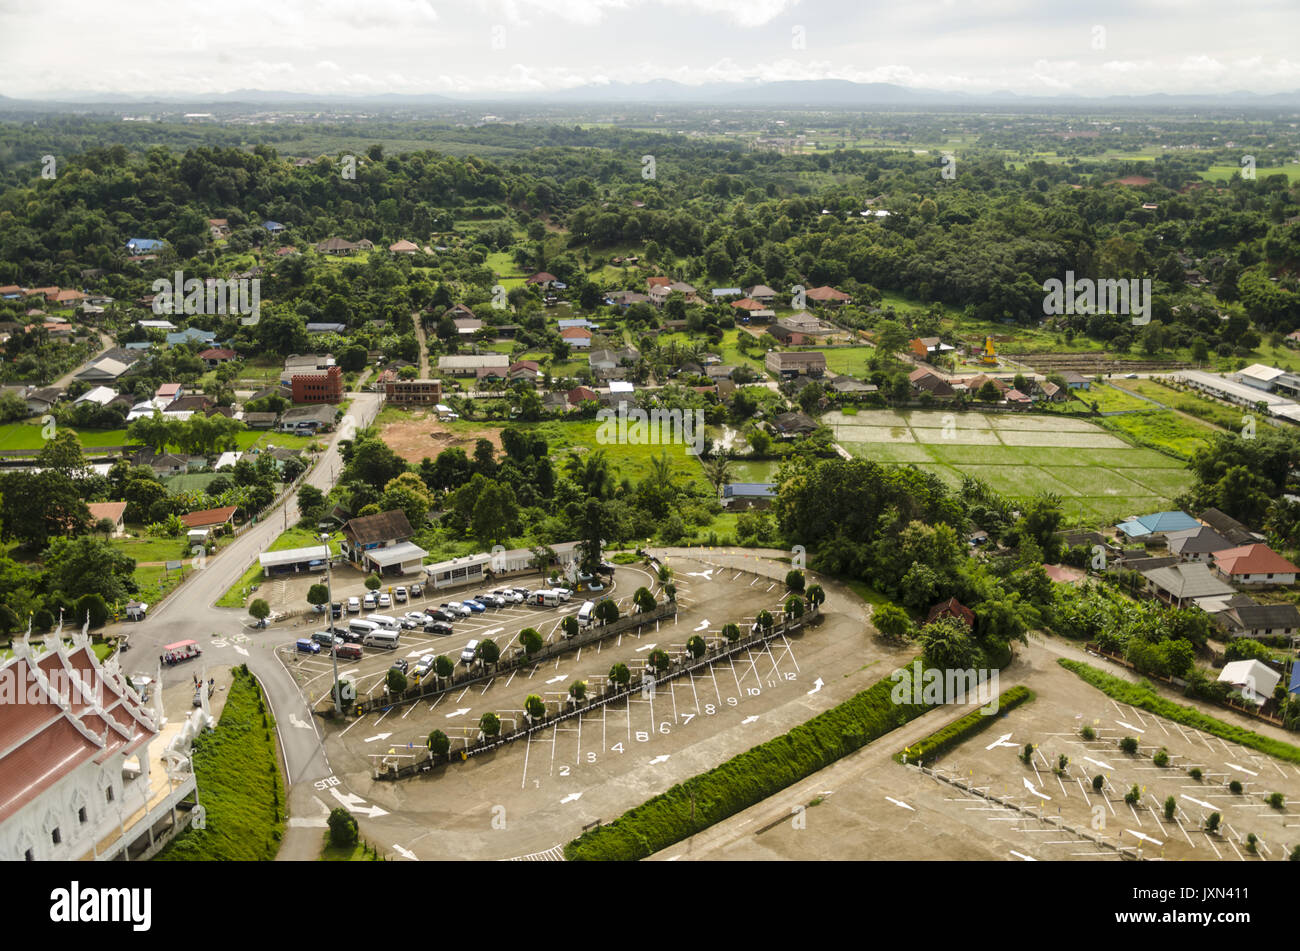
(747, 778)
(1138, 696)
(958, 730)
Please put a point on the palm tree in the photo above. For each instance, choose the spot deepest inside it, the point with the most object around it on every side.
(718, 471)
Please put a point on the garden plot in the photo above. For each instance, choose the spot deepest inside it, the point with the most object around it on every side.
(888, 452)
(867, 417)
(1042, 424)
(958, 435)
(937, 419)
(849, 432)
(1091, 481)
(1073, 440)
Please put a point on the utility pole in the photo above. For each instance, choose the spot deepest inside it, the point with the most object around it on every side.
(334, 655)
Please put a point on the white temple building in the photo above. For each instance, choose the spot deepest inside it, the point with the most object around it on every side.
(87, 770)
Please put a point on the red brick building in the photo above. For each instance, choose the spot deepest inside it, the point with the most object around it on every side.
(322, 386)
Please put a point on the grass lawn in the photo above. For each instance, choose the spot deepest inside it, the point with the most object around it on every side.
(1222, 173)
(848, 360)
(27, 435)
(1163, 430)
(1112, 400)
(357, 852)
(238, 775)
(628, 461)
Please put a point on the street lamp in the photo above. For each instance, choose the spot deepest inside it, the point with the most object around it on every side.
(334, 655)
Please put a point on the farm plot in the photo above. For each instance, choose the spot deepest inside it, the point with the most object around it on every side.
(1098, 475)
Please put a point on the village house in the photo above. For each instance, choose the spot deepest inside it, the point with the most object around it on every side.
(382, 543)
(1255, 564)
(789, 364)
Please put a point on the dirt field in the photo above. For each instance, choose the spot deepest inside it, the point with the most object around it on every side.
(424, 435)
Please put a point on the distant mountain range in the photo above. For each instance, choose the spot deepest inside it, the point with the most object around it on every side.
(816, 94)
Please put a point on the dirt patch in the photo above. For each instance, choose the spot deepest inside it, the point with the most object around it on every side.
(424, 435)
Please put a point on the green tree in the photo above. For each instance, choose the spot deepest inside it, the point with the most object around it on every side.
(606, 611)
(534, 706)
(731, 631)
(488, 651)
(438, 743)
(88, 565)
(816, 596)
(619, 675)
(578, 690)
(644, 600)
(372, 582)
(696, 645)
(1171, 805)
(659, 660)
(443, 667)
(318, 594)
(343, 828)
(259, 609)
(893, 623)
(946, 642)
(531, 640)
(794, 580)
(490, 724)
(794, 607)
(396, 682)
(765, 621)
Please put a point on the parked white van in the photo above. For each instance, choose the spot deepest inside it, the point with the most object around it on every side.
(546, 598)
(361, 627)
(384, 622)
(587, 613)
(384, 639)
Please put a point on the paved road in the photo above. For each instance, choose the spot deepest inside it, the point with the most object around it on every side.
(226, 637)
(106, 344)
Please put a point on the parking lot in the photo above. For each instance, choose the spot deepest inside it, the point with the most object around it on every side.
(868, 806)
(541, 790)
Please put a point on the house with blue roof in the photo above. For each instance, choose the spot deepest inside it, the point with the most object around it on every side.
(748, 494)
(144, 245)
(1294, 686)
(720, 292)
(273, 226)
(191, 335)
(1158, 523)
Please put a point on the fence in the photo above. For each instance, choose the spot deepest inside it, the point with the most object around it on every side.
(520, 658)
(679, 668)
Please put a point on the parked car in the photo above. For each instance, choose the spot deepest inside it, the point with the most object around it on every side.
(369, 601)
(348, 651)
(415, 619)
(510, 594)
(384, 600)
(441, 628)
(308, 646)
(327, 638)
(422, 668)
(524, 593)
(442, 614)
(491, 600)
(399, 594)
(469, 653)
(564, 593)
(401, 664)
(417, 590)
(336, 610)
(475, 606)
(354, 605)
(455, 607)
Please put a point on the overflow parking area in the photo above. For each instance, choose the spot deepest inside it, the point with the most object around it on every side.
(537, 792)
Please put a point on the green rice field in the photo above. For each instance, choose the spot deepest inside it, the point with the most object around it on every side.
(1099, 476)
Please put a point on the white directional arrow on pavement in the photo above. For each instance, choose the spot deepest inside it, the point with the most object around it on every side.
(1025, 857)
(556, 679)
(1203, 805)
(1000, 741)
(295, 721)
(662, 758)
(405, 853)
(1241, 769)
(1097, 762)
(1143, 836)
(458, 713)
(817, 685)
(353, 803)
(643, 647)
(495, 631)
(377, 736)
(900, 804)
(703, 625)
(706, 575)
(1130, 726)
(749, 719)
(571, 797)
(1040, 795)
(241, 650)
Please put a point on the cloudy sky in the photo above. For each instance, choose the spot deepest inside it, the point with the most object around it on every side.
(480, 47)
